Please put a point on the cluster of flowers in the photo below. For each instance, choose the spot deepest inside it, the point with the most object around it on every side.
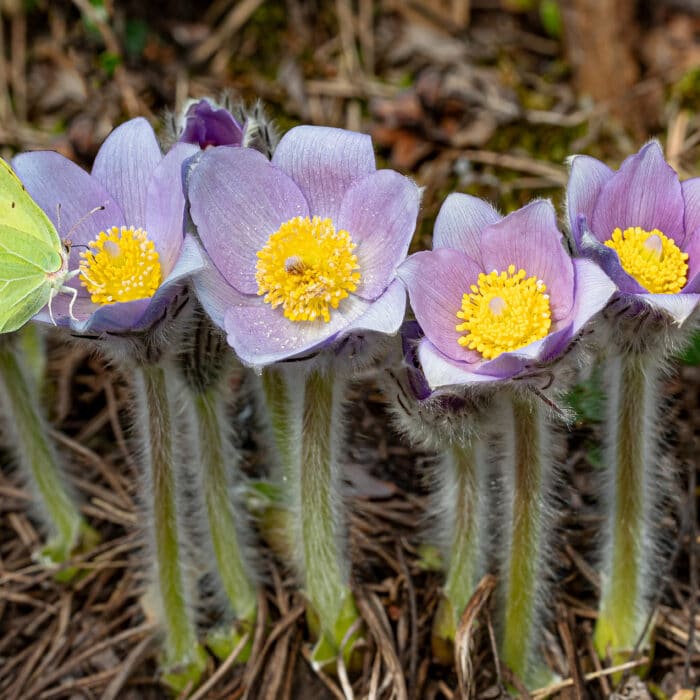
(294, 254)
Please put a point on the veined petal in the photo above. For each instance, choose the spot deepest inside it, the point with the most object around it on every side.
(436, 281)
(644, 192)
(165, 214)
(529, 239)
(460, 223)
(324, 162)
(441, 371)
(678, 306)
(385, 314)
(206, 125)
(125, 164)
(586, 179)
(237, 201)
(215, 294)
(380, 211)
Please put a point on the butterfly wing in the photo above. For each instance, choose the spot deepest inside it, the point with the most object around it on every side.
(26, 267)
(21, 212)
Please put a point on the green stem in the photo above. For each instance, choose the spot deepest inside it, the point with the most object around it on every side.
(223, 526)
(631, 454)
(38, 459)
(304, 404)
(523, 575)
(460, 501)
(183, 657)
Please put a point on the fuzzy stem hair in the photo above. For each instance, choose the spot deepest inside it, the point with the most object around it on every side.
(526, 475)
(305, 403)
(458, 505)
(38, 459)
(631, 458)
(184, 659)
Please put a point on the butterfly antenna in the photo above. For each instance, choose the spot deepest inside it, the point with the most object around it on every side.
(58, 216)
(84, 218)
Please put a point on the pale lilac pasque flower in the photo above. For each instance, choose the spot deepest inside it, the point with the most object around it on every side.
(304, 248)
(642, 226)
(125, 225)
(497, 295)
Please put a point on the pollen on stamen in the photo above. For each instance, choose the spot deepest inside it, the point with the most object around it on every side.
(505, 311)
(651, 258)
(121, 264)
(307, 267)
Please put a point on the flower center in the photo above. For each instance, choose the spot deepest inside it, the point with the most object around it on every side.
(505, 311)
(307, 267)
(121, 264)
(654, 260)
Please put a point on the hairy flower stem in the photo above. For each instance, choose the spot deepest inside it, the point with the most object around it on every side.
(526, 473)
(216, 462)
(460, 501)
(631, 457)
(39, 461)
(184, 659)
(308, 431)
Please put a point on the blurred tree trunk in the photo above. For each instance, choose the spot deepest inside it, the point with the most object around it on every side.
(600, 38)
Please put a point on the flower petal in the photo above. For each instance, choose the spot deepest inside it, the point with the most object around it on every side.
(442, 371)
(385, 314)
(215, 294)
(460, 222)
(324, 162)
(586, 179)
(529, 239)
(124, 165)
(678, 306)
(436, 281)
(237, 201)
(69, 196)
(206, 125)
(644, 192)
(261, 335)
(380, 213)
(594, 289)
(165, 213)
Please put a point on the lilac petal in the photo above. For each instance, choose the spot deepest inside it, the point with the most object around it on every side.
(691, 197)
(165, 213)
(594, 289)
(586, 179)
(69, 196)
(324, 162)
(206, 126)
(644, 192)
(609, 262)
(436, 281)
(460, 222)
(441, 371)
(380, 213)
(215, 294)
(261, 335)
(385, 314)
(237, 201)
(677, 306)
(529, 239)
(125, 164)
(60, 305)
(112, 318)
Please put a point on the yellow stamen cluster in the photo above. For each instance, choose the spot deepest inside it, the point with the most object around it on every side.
(505, 311)
(307, 267)
(121, 264)
(653, 259)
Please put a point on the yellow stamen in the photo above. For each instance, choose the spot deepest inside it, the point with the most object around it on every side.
(307, 267)
(123, 265)
(505, 311)
(654, 260)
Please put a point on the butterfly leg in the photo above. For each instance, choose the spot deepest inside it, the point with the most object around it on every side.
(74, 293)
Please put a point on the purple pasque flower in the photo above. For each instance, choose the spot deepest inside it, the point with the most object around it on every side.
(205, 124)
(125, 225)
(642, 226)
(497, 296)
(304, 248)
